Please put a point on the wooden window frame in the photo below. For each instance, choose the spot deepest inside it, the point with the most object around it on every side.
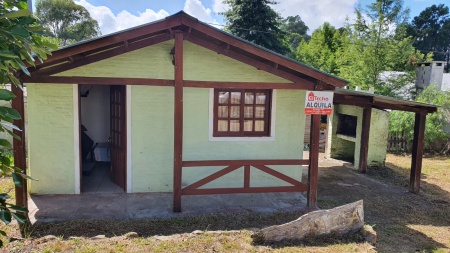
(241, 133)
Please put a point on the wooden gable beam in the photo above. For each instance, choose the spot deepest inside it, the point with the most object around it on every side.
(209, 31)
(84, 60)
(81, 61)
(252, 62)
(243, 85)
(114, 39)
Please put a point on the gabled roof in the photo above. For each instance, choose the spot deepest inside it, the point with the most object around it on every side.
(197, 32)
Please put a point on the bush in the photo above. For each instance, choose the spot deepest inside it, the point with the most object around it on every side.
(436, 138)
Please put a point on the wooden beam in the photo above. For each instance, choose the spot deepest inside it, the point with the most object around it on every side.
(19, 146)
(114, 39)
(242, 190)
(98, 80)
(244, 162)
(178, 123)
(417, 153)
(313, 169)
(247, 176)
(245, 85)
(257, 64)
(280, 176)
(364, 147)
(212, 177)
(209, 31)
(87, 59)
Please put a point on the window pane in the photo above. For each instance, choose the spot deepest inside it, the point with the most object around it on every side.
(259, 125)
(248, 112)
(260, 112)
(223, 97)
(235, 97)
(234, 126)
(223, 111)
(249, 97)
(235, 112)
(260, 98)
(222, 126)
(248, 125)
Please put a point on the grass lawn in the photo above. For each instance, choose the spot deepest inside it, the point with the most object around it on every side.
(404, 222)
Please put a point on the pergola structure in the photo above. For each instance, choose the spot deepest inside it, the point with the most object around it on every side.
(180, 27)
(368, 101)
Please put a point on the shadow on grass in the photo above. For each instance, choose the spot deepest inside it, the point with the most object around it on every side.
(389, 207)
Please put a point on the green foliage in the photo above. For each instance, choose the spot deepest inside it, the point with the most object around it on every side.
(67, 21)
(295, 30)
(321, 51)
(376, 42)
(431, 30)
(20, 42)
(435, 137)
(256, 22)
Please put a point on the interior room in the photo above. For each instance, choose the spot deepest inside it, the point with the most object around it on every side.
(94, 139)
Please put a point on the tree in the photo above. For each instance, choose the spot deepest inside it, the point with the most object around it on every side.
(295, 30)
(321, 51)
(431, 30)
(19, 43)
(67, 21)
(435, 138)
(256, 22)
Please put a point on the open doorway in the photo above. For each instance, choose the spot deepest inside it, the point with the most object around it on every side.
(102, 138)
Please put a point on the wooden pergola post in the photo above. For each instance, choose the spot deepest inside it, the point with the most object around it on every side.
(178, 123)
(313, 169)
(19, 146)
(365, 132)
(417, 152)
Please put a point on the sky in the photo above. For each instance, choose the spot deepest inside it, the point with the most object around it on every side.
(116, 15)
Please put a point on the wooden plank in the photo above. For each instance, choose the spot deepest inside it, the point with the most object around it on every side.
(417, 153)
(243, 85)
(281, 176)
(244, 162)
(211, 32)
(241, 190)
(313, 162)
(19, 145)
(129, 47)
(364, 147)
(114, 39)
(98, 80)
(247, 176)
(178, 123)
(213, 177)
(257, 64)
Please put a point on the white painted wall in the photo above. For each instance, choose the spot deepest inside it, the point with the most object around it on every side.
(95, 112)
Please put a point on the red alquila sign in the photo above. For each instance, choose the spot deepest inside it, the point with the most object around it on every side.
(319, 102)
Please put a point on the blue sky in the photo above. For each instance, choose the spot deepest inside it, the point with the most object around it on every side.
(115, 15)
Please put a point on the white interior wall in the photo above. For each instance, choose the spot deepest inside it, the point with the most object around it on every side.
(95, 112)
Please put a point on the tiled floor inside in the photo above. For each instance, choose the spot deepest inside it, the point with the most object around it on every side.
(99, 180)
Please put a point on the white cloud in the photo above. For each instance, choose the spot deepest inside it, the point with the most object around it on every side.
(109, 22)
(219, 6)
(197, 9)
(315, 13)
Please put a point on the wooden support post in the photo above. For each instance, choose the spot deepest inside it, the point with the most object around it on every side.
(313, 162)
(178, 123)
(19, 146)
(417, 153)
(364, 148)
